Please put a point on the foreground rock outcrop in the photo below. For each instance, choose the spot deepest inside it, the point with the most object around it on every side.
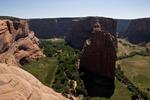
(17, 42)
(138, 31)
(17, 84)
(97, 62)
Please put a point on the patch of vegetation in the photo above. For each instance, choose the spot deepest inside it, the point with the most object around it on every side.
(44, 69)
(67, 70)
(136, 67)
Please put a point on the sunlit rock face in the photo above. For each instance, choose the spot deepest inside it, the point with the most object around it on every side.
(97, 62)
(138, 31)
(17, 42)
(17, 84)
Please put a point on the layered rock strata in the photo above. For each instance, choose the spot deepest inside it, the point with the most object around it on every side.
(17, 42)
(17, 84)
(97, 62)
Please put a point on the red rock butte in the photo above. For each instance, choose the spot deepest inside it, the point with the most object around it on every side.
(99, 53)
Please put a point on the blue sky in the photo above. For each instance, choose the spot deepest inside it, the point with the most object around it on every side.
(126, 9)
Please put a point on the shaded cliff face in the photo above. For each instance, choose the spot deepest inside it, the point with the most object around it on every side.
(99, 53)
(97, 62)
(122, 25)
(76, 30)
(17, 42)
(48, 28)
(81, 30)
(138, 31)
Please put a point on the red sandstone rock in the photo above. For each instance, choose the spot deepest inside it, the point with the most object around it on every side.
(99, 53)
(17, 84)
(17, 40)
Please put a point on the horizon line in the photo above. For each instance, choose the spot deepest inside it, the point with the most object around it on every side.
(72, 17)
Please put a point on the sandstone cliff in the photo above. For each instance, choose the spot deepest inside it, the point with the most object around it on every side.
(138, 31)
(81, 30)
(97, 61)
(17, 42)
(99, 53)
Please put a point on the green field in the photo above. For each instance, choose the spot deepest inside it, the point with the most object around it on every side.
(136, 68)
(43, 69)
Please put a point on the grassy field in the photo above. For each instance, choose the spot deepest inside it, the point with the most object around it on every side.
(136, 68)
(43, 69)
(121, 92)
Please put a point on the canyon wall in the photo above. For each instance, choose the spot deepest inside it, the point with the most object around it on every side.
(122, 25)
(138, 31)
(51, 27)
(81, 30)
(75, 30)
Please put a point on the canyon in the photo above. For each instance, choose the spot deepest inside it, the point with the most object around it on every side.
(74, 30)
(136, 30)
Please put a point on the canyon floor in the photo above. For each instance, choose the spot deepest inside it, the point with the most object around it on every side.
(60, 66)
